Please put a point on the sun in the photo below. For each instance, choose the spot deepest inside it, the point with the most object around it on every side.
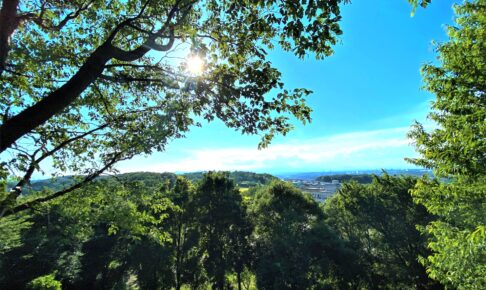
(195, 65)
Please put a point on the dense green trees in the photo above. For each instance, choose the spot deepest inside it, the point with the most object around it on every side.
(379, 222)
(121, 233)
(456, 151)
(294, 248)
(223, 227)
(241, 178)
(84, 239)
(111, 234)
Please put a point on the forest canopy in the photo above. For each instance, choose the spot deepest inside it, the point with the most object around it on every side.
(176, 234)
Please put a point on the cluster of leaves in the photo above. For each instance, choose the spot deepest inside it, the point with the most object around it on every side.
(416, 3)
(455, 150)
(10, 227)
(47, 282)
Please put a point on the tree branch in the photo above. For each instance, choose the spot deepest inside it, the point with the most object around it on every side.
(38, 19)
(128, 79)
(122, 55)
(61, 145)
(34, 116)
(87, 179)
(57, 101)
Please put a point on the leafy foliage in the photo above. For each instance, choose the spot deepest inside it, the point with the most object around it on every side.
(10, 232)
(122, 233)
(132, 232)
(455, 150)
(47, 282)
(294, 248)
(10, 227)
(112, 83)
(85, 242)
(416, 3)
(223, 227)
(379, 221)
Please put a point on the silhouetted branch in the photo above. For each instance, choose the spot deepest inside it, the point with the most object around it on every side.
(28, 205)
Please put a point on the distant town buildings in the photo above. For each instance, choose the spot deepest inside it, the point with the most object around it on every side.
(318, 189)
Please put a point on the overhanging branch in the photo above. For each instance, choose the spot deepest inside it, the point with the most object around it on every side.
(58, 100)
(28, 205)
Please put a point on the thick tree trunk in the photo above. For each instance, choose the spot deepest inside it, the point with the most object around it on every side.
(238, 278)
(57, 101)
(178, 258)
(221, 279)
(8, 23)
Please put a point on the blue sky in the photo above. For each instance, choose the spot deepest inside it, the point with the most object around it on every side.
(365, 98)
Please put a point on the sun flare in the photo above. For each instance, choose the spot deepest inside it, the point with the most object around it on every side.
(195, 65)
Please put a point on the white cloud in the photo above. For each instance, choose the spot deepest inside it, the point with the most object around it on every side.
(367, 149)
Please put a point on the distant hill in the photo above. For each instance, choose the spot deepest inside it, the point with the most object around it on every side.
(360, 178)
(149, 179)
(54, 184)
(243, 179)
(316, 175)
